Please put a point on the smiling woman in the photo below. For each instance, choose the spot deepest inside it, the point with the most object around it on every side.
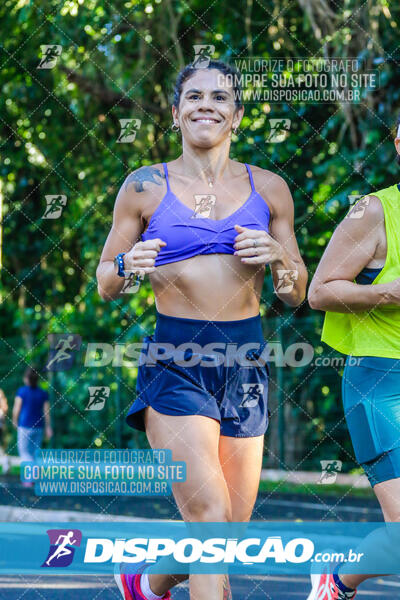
(204, 227)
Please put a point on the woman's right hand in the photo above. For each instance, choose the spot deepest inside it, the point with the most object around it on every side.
(141, 258)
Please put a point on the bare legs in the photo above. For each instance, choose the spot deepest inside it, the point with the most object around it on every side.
(222, 481)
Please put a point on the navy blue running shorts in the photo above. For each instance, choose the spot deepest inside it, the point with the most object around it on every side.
(212, 368)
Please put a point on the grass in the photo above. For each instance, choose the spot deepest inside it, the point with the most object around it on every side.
(13, 470)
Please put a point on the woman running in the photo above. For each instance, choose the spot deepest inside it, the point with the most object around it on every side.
(4, 460)
(357, 284)
(31, 417)
(208, 227)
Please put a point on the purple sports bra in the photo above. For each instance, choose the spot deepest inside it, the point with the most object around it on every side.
(188, 234)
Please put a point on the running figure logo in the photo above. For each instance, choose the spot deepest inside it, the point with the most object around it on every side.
(353, 198)
(50, 54)
(63, 347)
(62, 547)
(286, 279)
(98, 397)
(203, 205)
(129, 128)
(132, 282)
(252, 394)
(330, 469)
(279, 130)
(202, 55)
(55, 205)
(358, 210)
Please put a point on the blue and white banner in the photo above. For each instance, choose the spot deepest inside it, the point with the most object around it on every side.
(178, 547)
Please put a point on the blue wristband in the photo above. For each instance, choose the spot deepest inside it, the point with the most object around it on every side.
(119, 263)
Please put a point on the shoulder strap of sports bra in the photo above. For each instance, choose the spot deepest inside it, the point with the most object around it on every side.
(253, 189)
(166, 176)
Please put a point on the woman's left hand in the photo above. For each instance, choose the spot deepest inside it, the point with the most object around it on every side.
(255, 247)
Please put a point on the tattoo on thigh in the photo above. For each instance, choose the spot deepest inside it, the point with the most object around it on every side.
(142, 175)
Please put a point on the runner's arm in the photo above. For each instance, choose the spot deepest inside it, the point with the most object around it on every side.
(125, 232)
(352, 247)
(47, 420)
(16, 410)
(3, 402)
(282, 230)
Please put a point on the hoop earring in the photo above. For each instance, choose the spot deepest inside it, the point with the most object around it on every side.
(175, 127)
(234, 130)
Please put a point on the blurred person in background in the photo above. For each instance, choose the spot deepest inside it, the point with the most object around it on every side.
(31, 415)
(4, 460)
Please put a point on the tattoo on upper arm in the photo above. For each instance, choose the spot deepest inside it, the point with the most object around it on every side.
(142, 175)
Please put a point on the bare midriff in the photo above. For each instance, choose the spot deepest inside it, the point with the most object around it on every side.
(212, 287)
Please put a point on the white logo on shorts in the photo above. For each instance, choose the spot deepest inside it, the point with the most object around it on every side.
(253, 393)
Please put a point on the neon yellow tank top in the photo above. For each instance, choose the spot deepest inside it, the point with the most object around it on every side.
(375, 332)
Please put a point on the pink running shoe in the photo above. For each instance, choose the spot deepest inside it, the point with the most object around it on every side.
(129, 583)
(325, 588)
